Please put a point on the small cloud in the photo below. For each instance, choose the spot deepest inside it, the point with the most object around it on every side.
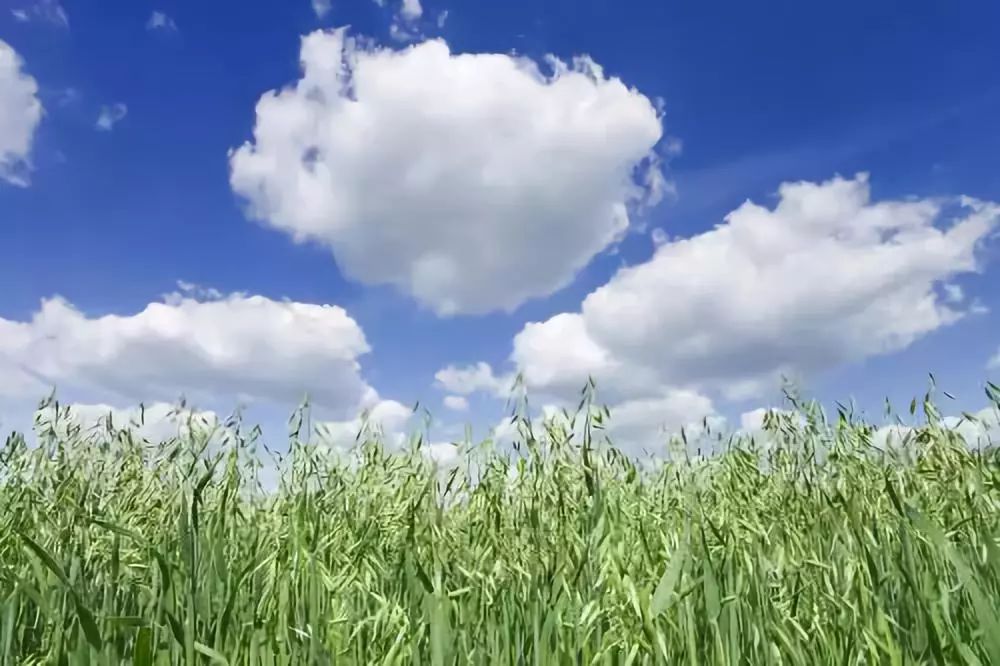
(321, 7)
(659, 236)
(456, 403)
(471, 379)
(68, 97)
(404, 24)
(402, 33)
(46, 11)
(160, 21)
(442, 18)
(953, 293)
(994, 363)
(110, 116)
(411, 10)
(671, 146)
(195, 291)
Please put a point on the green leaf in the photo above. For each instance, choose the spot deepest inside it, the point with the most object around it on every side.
(46, 559)
(210, 653)
(668, 581)
(88, 624)
(142, 653)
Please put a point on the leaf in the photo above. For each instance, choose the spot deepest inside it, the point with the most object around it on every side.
(127, 621)
(117, 529)
(87, 623)
(46, 559)
(668, 581)
(210, 653)
(84, 614)
(985, 613)
(175, 627)
(142, 653)
(712, 604)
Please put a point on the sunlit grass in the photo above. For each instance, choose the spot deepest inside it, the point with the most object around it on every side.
(817, 549)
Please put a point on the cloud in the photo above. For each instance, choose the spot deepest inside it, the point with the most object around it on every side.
(321, 8)
(46, 11)
(411, 10)
(442, 18)
(246, 348)
(953, 293)
(68, 97)
(387, 418)
(642, 428)
(456, 403)
(404, 26)
(981, 431)
(158, 422)
(401, 30)
(450, 176)
(645, 426)
(470, 379)
(20, 114)
(753, 420)
(111, 116)
(160, 21)
(826, 277)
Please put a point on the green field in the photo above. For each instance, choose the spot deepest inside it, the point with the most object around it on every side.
(814, 549)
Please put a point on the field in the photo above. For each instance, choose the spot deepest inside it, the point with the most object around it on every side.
(814, 549)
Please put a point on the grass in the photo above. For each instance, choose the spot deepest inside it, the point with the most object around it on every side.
(815, 550)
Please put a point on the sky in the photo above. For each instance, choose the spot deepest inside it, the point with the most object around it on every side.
(382, 203)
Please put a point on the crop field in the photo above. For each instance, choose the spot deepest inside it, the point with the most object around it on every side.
(804, 545)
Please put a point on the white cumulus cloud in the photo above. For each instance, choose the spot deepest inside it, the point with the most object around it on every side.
(827, 276)
(387, 419)
(470, 379)
(236, 348)
(980, 431)
(456, 403)
(473, 182)
(20, 114)
(645, 426)
(157, 422)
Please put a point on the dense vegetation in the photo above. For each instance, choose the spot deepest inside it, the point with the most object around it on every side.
(805, 545)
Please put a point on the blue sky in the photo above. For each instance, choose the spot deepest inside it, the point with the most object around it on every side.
(111, 219)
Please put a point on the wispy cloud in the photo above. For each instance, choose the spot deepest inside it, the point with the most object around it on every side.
(110, 116)
(321, 7)
(68, 96)
(47, 11)
(160, 21)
